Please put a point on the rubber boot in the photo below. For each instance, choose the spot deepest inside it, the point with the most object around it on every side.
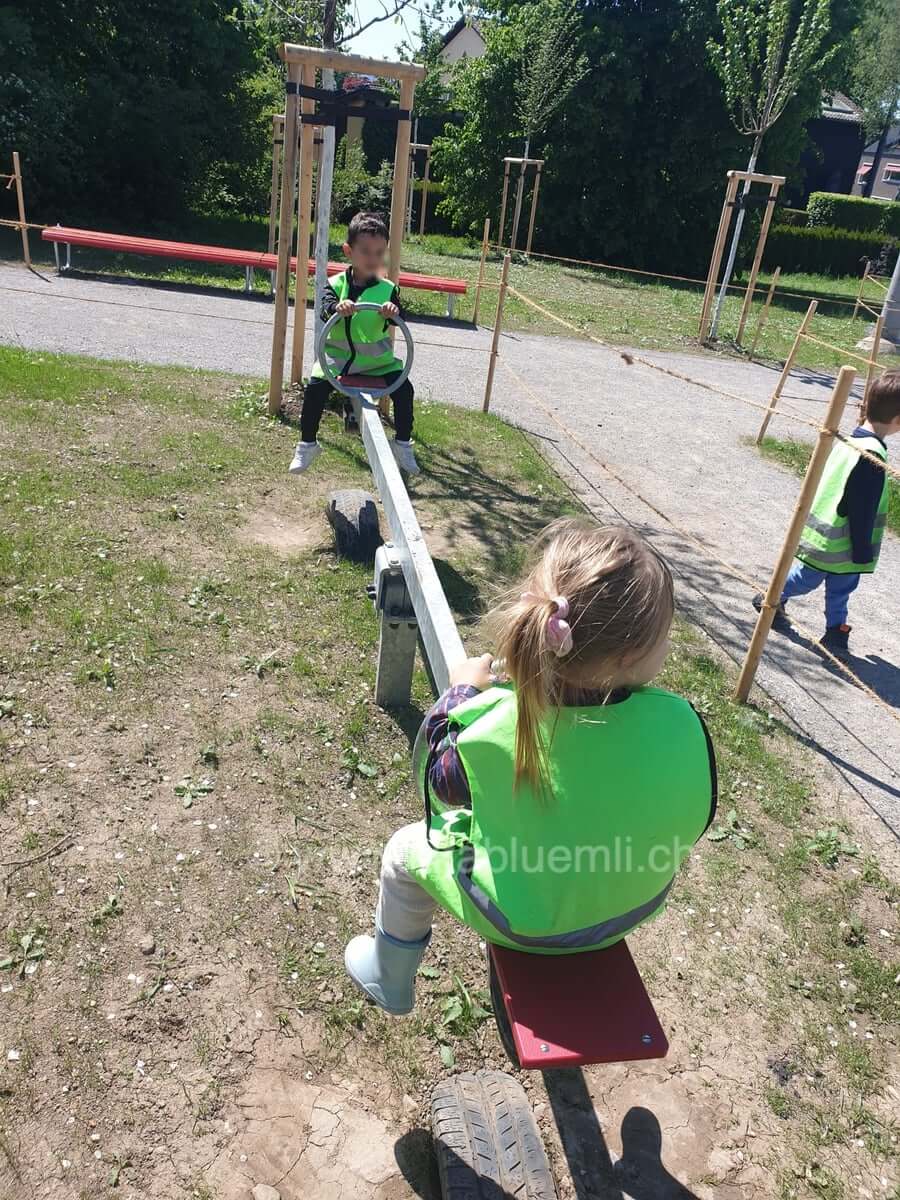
(385, 969)
(837, 639)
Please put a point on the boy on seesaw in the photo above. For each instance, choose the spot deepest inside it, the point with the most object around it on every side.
(361, 345)
(841, 539)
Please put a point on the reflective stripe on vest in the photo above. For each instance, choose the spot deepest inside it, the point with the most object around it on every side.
(825, 542)
(576, 939)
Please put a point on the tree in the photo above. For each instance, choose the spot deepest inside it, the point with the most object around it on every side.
(875, 73)
(768, 50)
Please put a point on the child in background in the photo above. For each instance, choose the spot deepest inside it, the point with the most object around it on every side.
(842, 536)
(361, 345)
(559, 805)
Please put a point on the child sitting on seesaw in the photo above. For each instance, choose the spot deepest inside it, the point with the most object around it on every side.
(361, 346)
(559, 804)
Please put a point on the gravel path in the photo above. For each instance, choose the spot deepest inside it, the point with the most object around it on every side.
(683, 448)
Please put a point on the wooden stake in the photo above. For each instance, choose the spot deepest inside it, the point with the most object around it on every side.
(304, 225)
(757, 259)
(285, 238)
(814, 471)
(23, 227)
(718, 248)
(764, 315)
(534, 196)
(865, 276)
(398, 198)
(517, 212)
(786, 370)
(500, 227)
(495, 340)
(872, 368)
(484, 250)
(424, 204)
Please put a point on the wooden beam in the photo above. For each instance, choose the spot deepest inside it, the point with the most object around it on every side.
(757, 259)
(285, 238)
(743, 176)
(786, 370)
(398, 196)
(716, 261)
(534, 197)
(495, 340)
(764, 315)
(502, 224)
(354, 64)
(23, 225)
(872, 368)
(484, 250)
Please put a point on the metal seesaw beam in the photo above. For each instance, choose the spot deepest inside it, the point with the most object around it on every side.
(441, 642)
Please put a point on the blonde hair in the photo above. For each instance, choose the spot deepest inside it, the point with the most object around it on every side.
(620, 606)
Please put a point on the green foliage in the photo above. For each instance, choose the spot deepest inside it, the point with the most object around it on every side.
(353, 189)
(856, 213)
(875, 70)
(122, 111)
(824, 250)
(797, 217)
(551, 65)
(767, 50)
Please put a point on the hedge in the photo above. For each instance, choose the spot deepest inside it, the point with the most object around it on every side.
(792, 216)
(858, 213)
(825, 251)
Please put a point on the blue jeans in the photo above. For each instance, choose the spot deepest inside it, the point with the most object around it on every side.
(838, 589)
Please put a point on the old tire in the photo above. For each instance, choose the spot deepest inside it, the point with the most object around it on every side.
(353, 516)
(487, 1141)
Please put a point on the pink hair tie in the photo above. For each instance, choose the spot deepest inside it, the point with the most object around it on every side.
(559, 632)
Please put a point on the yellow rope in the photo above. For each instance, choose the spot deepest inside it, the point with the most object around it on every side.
(869, 362)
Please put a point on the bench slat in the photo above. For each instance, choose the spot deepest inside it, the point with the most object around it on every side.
(225, 256)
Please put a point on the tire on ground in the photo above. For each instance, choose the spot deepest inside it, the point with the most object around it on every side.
(353, 516)
(487, 1141)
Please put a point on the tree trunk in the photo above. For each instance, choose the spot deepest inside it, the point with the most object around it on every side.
(735, 239)
(869, 180)
(521, 188)
(891, 329)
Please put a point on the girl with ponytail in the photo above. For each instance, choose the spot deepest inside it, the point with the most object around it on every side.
(561, 791)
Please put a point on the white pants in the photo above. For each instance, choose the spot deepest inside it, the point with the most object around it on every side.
(404, 908)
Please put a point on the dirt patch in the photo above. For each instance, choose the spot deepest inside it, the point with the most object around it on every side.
(287, 533)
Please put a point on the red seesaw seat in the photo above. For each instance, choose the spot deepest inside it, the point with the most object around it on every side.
(569, 1010)
(250, 260)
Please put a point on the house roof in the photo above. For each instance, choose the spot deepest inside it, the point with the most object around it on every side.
(838, 107)
(891, 143)
(457, 27)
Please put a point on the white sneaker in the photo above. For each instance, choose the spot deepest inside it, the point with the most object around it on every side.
(304, 457)
(406, 460)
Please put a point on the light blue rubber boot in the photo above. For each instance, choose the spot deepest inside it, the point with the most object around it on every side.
(385, 969)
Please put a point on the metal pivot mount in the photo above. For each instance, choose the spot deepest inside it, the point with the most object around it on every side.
(398, 629)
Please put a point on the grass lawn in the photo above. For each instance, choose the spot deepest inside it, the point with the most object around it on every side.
(186, 684)
(795, 456)
(624, 309)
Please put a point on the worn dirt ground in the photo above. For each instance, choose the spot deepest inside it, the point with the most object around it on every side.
(681, 447)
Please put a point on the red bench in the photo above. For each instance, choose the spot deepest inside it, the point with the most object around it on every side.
(250, 260)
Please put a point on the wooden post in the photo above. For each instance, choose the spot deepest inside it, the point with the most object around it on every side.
(534, 196)
(398, 198)
(495, 340)
(285, 238)
(786, 370)
(865, 276)
(814, 471)
(277, 150)
(502, 224)
(718, 248)
(757, 259)
(484, 250)
(764, 315)
(410, 187)
(304, 223)
(23, 227)
(424, 204)
(873, 366)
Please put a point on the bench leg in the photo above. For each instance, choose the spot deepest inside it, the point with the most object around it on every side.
(271, 283)
(56, 256)
(248, 279)
(451, 305)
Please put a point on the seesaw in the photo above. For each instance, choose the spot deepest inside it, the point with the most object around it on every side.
(552, 1011)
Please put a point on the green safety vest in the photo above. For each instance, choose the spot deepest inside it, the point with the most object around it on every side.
(361, 345)
(825, 541)
(633, 788)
